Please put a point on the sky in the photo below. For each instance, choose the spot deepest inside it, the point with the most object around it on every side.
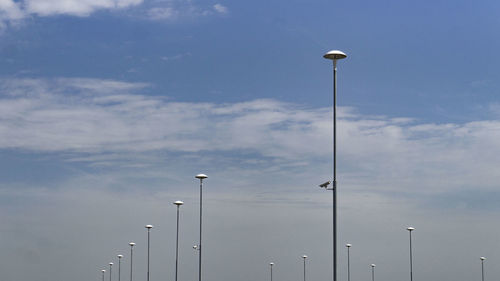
(109, 108)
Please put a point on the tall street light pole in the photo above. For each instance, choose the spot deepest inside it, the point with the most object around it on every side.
(119, 266)
(482, 268)
(271, 265)
(132, 244)
(348, 246)
(410, 229)
(304, 257)
(102, 272)
(201, 177)
(148, 227)
(373, 271)
(178, 204)
(334, 55)
(110, 266)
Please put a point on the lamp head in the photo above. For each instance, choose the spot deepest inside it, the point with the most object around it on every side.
(482, 258)
(103, 270)
(178, 203)
(110, 264)
(335, 55)
(195, 247)
(148, 226)
(304, 257)
(271, 263)
(348, 245)
(132, 244)
(372, 265)
(410, 228)
(120, 256)
(201, 176)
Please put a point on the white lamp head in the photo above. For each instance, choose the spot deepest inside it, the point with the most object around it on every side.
(271, 263)
(120, 256)
(348, 245)
(132, 244)
(110, 264)
(482, 258)
(148, 226)
(103, 270)
(372, 265)
(304, 257)
(178, 203)
(410, 228)
(195, 247)
(335, 55)
(201, 176)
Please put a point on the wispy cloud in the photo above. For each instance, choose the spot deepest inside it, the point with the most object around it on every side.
(91, 118)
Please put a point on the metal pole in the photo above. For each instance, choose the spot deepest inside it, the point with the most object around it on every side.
(110, 265)
(119, 268)
(199, 245)
(334, 184)
(304, 267)
(148, 251)
(271, 272)
(411, 260)
(177, 245)
(131, 259)
(482, 269)
(373, 273)
(348, 264)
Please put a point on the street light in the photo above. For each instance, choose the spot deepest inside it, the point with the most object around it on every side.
(373, 271)
(148, 227)
(348, 246)
(103, 271)
(119, 266)
(334, 55)
(410, 229)
(200, 177)
(271, 265)
(110, 265)
(178, 204)
(304, 257)
(132, 244)
(482, 268)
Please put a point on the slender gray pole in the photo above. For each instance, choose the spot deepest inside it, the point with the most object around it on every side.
(348, 264)
(199, 245)
(119, 268)
(148, 251)
(304, 269)
(482, 269)
(271, 272)
(373, 273)
(103, 271)
(411, 261)
(110, 265)
(177, 245)
(131, 260)
(334, 184)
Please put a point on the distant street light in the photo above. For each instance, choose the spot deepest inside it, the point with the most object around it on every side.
(178, 204)
(304, 257)
(373, 271)
(201, 177)
(410, 229)
(482, 268)
(348, 246)
(271, 265)
(148, 227)
(119, 266)
(103, 271)
(334, 55)
(132, 244)
(110, 266)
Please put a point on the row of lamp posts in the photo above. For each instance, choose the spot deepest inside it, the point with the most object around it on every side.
(201, 177)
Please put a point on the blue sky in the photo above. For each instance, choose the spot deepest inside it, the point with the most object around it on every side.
(109, 108)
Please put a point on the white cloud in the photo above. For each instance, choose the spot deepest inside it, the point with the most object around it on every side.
(90, 118)
(221, 8)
